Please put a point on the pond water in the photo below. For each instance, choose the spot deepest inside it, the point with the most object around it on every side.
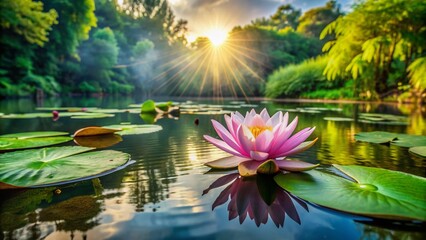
(160, 196)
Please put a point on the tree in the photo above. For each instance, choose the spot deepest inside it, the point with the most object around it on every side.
(286, 16)
(98, 56)
(314, 20)
(25, 27)
(376, 44)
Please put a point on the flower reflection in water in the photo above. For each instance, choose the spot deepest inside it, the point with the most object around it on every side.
(257, 197)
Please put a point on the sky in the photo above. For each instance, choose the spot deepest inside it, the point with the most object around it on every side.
(204, 15)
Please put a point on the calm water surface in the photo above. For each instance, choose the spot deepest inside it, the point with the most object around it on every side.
(161, 195)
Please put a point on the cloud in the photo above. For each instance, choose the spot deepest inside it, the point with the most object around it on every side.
(202, 14)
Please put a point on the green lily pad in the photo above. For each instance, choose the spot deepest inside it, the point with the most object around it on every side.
(68, 109)
(420, 151)
(338, 119)
(148, 107)
(25, 135)
(104, 110)
(406, 140)
(374, 192)
(375, 137)
(135, 129)
(27, 115)
(57, 165)
(92, 116)
(398, 139)
(16, 143)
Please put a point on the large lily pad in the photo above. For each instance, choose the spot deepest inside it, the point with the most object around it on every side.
(374, 192)
(133, 129)
(398, 139)
(57, 165)
(17, 143)
(26, 135)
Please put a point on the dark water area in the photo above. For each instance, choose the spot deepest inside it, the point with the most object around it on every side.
(160, 196)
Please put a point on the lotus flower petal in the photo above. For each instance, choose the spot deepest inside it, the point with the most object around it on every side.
(226, 136)
(222, 145)
(259, 137)
(259, 156)
(226, 162)
(295, 165)
(251, 168)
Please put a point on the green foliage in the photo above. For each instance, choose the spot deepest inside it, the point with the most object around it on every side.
(295, 80)
(142, 48)
(376, 44)
(26, 18)
(418, 73)
(314, 20)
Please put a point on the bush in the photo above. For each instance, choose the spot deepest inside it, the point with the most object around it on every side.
(294, 80)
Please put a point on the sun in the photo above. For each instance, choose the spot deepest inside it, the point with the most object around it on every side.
(217, 36)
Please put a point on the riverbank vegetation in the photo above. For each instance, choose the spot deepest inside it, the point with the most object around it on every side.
(376, 51)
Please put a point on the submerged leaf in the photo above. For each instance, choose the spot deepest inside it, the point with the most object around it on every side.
(376, 192)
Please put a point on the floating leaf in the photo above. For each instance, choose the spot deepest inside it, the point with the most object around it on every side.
(25, 135)
(339, 119)
(406, 140)
(375, 192)
(16, 143)
(103, 110)
(420, 151)
(398, 139)
(101, 141)
(57, 165)
(375, 137)
(148, 107)
(27, 115)
(69, 109)
(92, 116)
(93, 131)
(135, 129)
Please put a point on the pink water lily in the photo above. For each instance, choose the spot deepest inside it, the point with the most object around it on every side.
(260, 143)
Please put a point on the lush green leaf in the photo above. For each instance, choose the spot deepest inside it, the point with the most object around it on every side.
(374, 192)
(57, 165)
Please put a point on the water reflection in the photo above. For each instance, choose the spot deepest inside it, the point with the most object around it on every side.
(36, 213)
(258, 197)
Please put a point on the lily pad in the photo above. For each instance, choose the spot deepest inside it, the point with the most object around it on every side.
(27, 115)
(339, 119)
(93, 131)
(420, 151)
(135, 129)
(92, 116)
(68, 109)
(25, 135)
(57, 165)
(17, 143)
(374, 192)
(100, 141)
(375, 137)
(398, 139)
(148, 107)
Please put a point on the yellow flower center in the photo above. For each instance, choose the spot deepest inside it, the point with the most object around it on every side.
(256, 130)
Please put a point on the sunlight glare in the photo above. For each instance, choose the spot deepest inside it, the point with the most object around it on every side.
(217, 36)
